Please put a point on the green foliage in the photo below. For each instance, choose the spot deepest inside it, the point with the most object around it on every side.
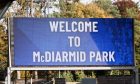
(68, 76)
(66, 9)
(137, 41)
(108, 6)
(120, 72)
(132, 12)
(90, 74)
(79, 75)
(3, 48)
(62, 5)
(3, 51)
(79, 10)
(23, 73)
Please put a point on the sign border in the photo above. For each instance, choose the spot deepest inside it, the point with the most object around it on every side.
(11, 50)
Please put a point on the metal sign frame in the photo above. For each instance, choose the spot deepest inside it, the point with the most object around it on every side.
(10, 68)
(72, 68)
(13, 57)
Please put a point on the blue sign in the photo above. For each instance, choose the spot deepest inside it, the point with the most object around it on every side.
(73, 42)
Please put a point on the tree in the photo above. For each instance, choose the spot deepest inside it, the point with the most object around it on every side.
(137, 41)
(108, 6)
(68, 76)
(3, 51)
(123, 5)
(133, 13)
(79, 10)
(94, 11)
(80, 75)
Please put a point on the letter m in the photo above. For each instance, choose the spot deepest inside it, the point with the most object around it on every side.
(36, 56)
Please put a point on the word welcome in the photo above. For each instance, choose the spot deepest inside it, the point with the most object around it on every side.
(65, 26)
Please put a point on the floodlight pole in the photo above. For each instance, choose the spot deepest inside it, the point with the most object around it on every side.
(8, 75)
(36, 75)
(59, 74)
(9, 56)
(25, 77)
(136, 75)
(31, 80)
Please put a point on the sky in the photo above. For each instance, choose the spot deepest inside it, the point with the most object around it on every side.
(86, 1)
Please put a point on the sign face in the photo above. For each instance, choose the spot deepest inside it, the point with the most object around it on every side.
(73, 42)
